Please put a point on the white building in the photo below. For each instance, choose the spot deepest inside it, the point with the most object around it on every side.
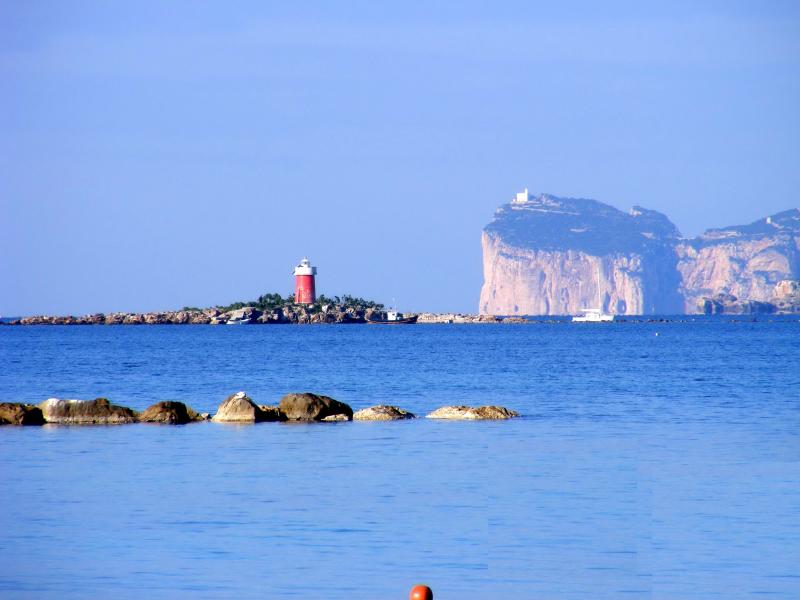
(521, 197)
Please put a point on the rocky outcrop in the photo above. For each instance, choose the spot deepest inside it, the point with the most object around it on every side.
(239, 408)
(744, 261)
(171, 413)
(469, 413)
(83, 412)
(731, 305)
(313, 407)
(12, 413)
(786, 297)
(297, 314)
(382, 412)
(179, 317)
(555, 256)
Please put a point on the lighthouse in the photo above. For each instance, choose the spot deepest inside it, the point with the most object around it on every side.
(304, 289)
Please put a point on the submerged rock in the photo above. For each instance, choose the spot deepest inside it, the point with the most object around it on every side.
(239, 408)
(472, 413)
(312, 407)
(81, 412)
(12, 413)
(170, 412)
(382, 412)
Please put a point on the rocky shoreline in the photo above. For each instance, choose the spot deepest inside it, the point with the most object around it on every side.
(787, 302)
(304, 407)
(738, 311)
(289, 315)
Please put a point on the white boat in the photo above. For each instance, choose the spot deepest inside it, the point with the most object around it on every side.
(594, 315)
(240, 321)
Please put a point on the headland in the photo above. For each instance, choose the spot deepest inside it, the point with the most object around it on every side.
(549, 255)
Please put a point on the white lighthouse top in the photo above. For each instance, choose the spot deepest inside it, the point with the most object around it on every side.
(305, 268)
(522, 197)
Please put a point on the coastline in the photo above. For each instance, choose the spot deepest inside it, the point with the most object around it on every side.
(116, 319)
(253, 317)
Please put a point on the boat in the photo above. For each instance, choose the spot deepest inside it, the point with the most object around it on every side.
(393, 318)
(594, 315)
(239, 321)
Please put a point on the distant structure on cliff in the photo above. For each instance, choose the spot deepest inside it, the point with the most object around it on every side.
(522, 197)
(541, 256)
(305, 291)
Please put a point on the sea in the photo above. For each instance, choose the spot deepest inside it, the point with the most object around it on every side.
(654, 459)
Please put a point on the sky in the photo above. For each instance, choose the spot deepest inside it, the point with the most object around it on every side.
(155, 155)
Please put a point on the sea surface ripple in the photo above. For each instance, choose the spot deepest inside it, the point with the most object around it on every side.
(653, 460)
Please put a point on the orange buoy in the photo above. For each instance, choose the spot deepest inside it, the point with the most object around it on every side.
(421, 592)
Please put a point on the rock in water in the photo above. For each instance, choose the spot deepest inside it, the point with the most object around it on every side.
(81, 412)
(12, 413)
(472, 413)
(170, 412)
(239, 408)
(312, 407)
(382, 412)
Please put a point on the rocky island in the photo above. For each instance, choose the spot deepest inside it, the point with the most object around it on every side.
(269, 309)
(546, 255)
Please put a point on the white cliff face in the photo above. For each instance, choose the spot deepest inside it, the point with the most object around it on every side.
(746, 262)
(544, 256)
(557, 256)
(519, 281)
(746, 270)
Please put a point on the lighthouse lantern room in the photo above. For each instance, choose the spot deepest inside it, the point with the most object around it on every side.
(304, 287)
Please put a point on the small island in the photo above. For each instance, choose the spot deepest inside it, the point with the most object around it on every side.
(267, 309)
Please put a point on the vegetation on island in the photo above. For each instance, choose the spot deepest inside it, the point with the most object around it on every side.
(272, 301)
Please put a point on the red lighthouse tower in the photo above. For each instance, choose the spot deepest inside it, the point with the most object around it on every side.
(304, 289)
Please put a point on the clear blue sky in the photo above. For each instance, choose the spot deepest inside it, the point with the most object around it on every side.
(159, 154)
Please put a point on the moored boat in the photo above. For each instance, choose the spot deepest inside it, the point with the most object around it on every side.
(593, 315)
(393, 318)
(239, 321)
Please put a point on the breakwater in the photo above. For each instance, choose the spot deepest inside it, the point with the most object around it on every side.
(236, 408)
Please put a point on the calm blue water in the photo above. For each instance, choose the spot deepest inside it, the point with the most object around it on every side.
(646, 466)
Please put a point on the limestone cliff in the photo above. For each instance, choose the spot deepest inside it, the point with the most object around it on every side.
(745, 261)
(554, 256)
(547, 255)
